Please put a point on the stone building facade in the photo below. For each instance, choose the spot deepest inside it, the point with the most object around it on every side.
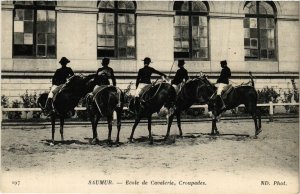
(262, 37)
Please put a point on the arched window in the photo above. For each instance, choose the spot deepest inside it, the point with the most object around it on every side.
(259, 30)
(34, 29)
(191, 29)
(116, 29)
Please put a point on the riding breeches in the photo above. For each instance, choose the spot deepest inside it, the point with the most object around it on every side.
(220, 86)
(139, 89)
(52, 91)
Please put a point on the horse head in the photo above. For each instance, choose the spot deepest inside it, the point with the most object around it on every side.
(214, 106)
(71, 92)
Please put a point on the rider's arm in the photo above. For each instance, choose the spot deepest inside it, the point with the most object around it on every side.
(54, 78)
(113, 77)
(138, 80)
(71, 73)
(186, 76)
(158, 72)
(175, 77)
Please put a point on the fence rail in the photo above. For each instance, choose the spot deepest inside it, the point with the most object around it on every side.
(271, 104)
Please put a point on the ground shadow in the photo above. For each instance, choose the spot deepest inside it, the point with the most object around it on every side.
(66, 142)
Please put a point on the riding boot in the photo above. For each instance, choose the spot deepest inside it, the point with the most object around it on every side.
(48, 108)
(223, 104)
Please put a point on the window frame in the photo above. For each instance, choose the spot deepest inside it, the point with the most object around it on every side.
(116, 10)
(258, 16)
(190, 13)
(35, 7)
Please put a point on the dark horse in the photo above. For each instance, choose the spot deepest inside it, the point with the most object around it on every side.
(193, 91)
(243, 94)
(157, 96)
(68, 97)
(103, 103)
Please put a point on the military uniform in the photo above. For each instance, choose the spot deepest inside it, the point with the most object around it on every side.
(223, 80)
(180, 75)
(103, 75)
(60, 76)
(144, 78)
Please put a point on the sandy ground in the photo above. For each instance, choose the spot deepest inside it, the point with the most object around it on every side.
(232, 161)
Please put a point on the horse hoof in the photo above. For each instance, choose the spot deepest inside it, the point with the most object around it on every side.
(94, 141)
(258, 132)
(51, 144)
(151, 141)
(131, 141)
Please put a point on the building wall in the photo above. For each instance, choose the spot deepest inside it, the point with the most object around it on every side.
(77, 40)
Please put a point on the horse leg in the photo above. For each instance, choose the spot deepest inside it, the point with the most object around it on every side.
(149, 129)
(53, 127)
(178, 117)
(170, 120)
(61, 130)
(118, 125)
(259, 119)
(214, 129)
(109, 122)
(136, 122)
(94, 119)
(257, 129)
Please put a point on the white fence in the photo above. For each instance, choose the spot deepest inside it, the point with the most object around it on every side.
(270, 105)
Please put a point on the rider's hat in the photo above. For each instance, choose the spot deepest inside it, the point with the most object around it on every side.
(105, 61)
(224, 62)
(64, 60)
(181, 62)
(147, 60)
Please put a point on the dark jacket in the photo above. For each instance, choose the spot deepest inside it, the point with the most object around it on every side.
(144, 75)
(180, 75)
(61, 75)
(106, 74)
(224, 76)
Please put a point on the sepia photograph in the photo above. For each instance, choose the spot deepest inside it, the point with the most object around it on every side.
(150, 96)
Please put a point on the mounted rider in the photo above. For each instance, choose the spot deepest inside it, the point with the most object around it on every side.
(180, 76)
(59, 78)
(223, 81)
(144, 78)
(103, 75)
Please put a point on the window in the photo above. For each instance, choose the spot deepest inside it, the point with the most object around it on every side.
(259, 30)
(191, 30)
(34, 29)
(116, 29)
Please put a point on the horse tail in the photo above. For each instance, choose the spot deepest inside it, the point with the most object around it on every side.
(171, 97)
(251, 78)
(112, 102)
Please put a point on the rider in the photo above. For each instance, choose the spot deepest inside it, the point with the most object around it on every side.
(180, 75)
(144, 78)
(223, 81)
(60, 77)
(103, 75)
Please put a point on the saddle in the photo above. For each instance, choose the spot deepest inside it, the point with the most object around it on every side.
(97, 90)
(226, 91)
(144, 95)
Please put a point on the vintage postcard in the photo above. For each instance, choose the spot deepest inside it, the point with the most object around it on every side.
(150, 96)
